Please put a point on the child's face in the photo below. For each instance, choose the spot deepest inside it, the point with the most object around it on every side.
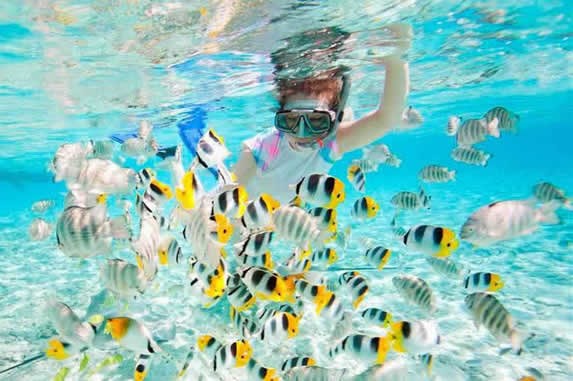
(303, 101)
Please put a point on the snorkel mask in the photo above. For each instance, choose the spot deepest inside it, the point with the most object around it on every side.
(313, 123)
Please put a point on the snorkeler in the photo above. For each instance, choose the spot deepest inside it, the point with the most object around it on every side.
(309, 132)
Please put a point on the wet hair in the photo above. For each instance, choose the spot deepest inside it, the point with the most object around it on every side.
(304, 65)
(325, 87)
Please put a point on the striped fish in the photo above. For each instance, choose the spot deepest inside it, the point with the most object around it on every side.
(321, 190)
(256, 371)
(547, 192)
(123, 279)
(238, 294)
(234, 355)
(263, 260)
(364, 348)
(282, 326)
(378, 256)
(85, 232)
(411, 200)
(432, 240)
(258, 213)
(416, 291)
(377, 316)
(42, 206)
(323, 258)
(146, 246)
(244, 325)
(486, 310)
(366, 165)
(296, 362)
(296, 225)
(356, 177)
(365, 208)
(356, 284)
(256, 243)
(506, 120)
(231, 202)
(417, 337)
(39, 229)
(266, 284)
(318, 295)
(446, 267)
(436, 174)
(470, 155)
(474, 131)
(483, 282)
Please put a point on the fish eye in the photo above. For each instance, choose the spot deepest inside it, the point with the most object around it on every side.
(338, 195)
(449, 244)
(224, 231)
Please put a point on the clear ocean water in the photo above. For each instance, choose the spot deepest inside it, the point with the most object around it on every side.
(75, 70)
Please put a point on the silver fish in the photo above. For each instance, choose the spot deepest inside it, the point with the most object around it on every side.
(486, 310)
(85, 232)
(474, 131)
(506, 219)
(507, 120)
(415, 290)
(123, 279)
(39, 229)
(470, 155)
(42, 206)
(436, 174)
(411, 200)
(547, 192)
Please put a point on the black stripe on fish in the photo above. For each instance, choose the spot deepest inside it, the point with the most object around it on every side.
(363, 204)
(406, 329)
(313, 181)
(329, 185)
(222, 201)
(487, 278)
(374, 344)
(271, 283)
(438, 235)
(234, 349)
(419, 233)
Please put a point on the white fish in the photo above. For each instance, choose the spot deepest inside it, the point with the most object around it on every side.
(446, 267)
(507, 120)
(393, 161)
(547, 192)
(42, 206)
(411, 201)
(453, 125)
(69, 326)
(104, 176)
(470, 155)
(123, 279)
(85, 232)
(378, 153)
(39, 229)
(415, 290)
(486, 310)
(146, 246)
(411, 117)
(415, 336)
(296, 225)
(436, 174)
(503, 220)
(169, 251)
(474, 131)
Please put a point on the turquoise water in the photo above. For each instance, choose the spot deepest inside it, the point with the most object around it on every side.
(84, 70)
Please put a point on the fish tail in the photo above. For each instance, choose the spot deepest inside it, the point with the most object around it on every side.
(568, 204)
(120, 227)
(546, 214)
(515, 342)
(492, 127)
(452, 174)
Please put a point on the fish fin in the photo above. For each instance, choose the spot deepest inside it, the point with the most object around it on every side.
(568, 204)
(492, 128)
(546, 213)
(515, 342)
(120, 227)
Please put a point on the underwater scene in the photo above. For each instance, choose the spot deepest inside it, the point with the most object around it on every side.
(286, 190)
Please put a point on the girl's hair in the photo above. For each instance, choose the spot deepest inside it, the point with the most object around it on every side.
(325, 87)
(306, 64)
